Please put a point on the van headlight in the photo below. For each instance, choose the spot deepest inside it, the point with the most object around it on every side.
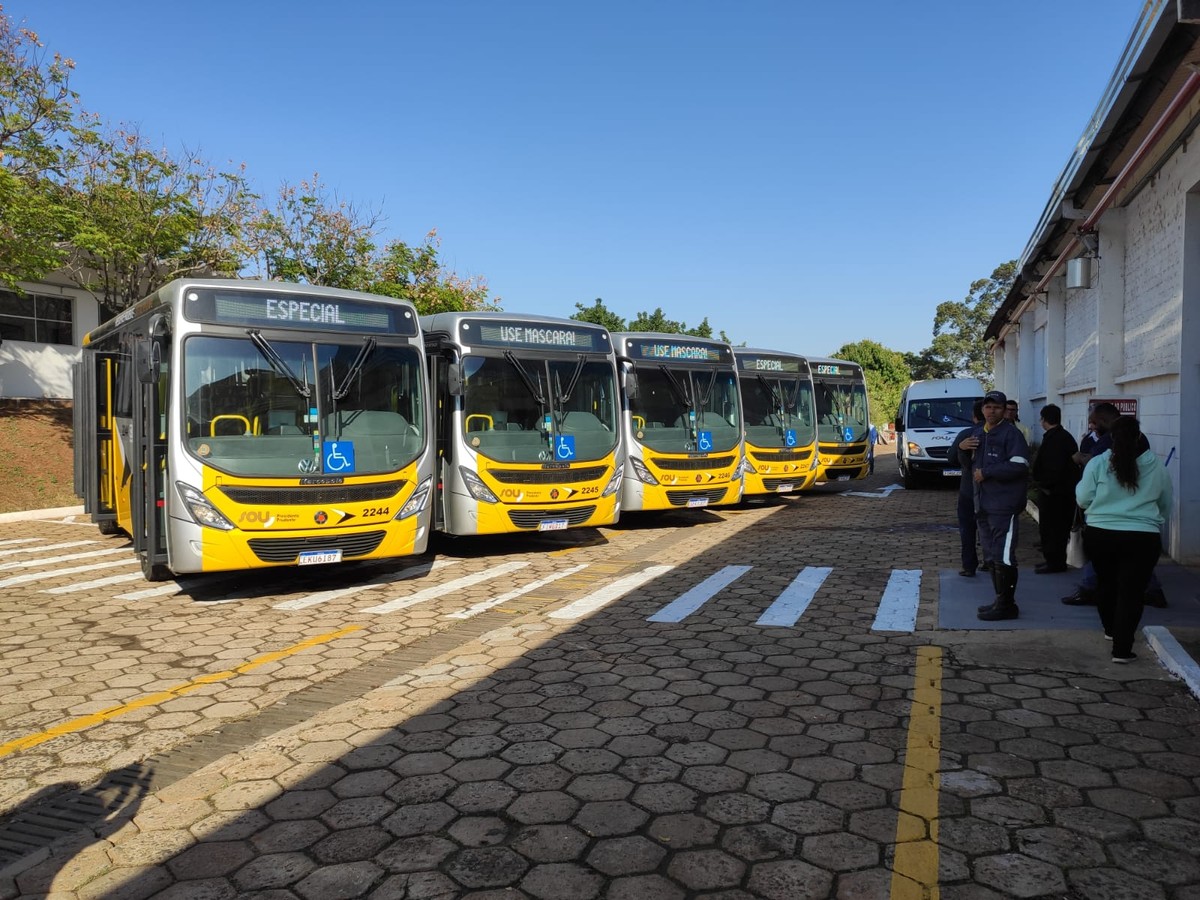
(200, 509)
(915, 449)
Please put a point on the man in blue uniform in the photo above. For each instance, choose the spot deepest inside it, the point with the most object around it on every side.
(1001, 474)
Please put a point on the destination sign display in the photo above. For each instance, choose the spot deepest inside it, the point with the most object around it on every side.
(678, 351)
(771, 364)
(265, 309)
(534, 335)
(834, 369)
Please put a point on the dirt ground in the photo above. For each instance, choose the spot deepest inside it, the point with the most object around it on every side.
(36, 462)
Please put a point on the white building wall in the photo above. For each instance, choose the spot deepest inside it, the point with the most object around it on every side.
(1135, 332)
(30, 371)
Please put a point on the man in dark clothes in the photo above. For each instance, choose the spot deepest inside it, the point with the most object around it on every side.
(1001, 475)
(960, 458)
(1055, 474)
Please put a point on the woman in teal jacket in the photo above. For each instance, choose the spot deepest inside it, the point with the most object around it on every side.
(1126, 497)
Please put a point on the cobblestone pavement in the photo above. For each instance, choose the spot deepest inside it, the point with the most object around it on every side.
(449, 734)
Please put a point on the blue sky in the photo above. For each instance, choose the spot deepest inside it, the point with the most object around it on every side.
(804, 174)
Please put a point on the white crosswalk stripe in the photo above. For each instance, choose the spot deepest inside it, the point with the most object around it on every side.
(898, 606)
(67, 557)
(686, 604)
(416, 571)
(438, 590)
(98, 582)
(513, 594)
(159, 590)
(791, 604)
(57, 573)
(8, 542)
(607, 594)
(40, 548)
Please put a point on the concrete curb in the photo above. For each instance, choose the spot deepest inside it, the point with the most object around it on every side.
(1173, 657)
(33, 514)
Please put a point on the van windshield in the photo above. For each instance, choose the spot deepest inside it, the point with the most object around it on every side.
(941, 412)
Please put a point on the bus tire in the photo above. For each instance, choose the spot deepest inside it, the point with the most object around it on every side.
(154, 572)
(109, 526)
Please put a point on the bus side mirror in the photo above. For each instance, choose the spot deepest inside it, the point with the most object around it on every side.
(147, 361)
(628, 380)
(454, 379)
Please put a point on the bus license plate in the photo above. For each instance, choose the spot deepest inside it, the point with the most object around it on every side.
(949, 472)
(319, 557)
(552, 525)
(842, 478)
(698, 501)
(784, 487)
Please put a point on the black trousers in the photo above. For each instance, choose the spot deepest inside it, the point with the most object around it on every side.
(1055, 515)
(1124, 561)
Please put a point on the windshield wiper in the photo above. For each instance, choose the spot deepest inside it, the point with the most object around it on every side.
(364, 353)
(278, 363)
(562, 396)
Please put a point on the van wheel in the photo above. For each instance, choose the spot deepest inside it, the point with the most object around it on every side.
(911, 481)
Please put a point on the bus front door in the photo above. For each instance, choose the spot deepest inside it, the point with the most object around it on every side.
(148, 464)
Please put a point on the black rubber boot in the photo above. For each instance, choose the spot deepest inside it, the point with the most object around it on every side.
(1005, 606)
(998, 588)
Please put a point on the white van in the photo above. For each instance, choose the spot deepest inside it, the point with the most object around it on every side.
(931, 415)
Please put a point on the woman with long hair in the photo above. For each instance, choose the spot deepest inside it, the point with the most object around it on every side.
(1125, 493)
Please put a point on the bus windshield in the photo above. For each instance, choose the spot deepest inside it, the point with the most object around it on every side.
(776, 404)
(514, 406)
(841, 411)
(262, 408)
(676, 409)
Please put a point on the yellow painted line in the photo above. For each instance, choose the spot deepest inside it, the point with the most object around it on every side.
(915, 867)
(112, 712)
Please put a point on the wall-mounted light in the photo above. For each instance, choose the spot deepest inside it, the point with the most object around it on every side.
(1090, 241)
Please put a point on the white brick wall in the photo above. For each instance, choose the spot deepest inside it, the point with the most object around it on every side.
(1079, 339)
(1154, 276)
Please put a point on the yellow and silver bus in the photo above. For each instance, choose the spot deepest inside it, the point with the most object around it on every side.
(682, 418)
(843, 419)
(237, 424)
(781, 422)
(526, 423)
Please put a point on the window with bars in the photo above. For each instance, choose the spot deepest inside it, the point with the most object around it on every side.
(37, 318)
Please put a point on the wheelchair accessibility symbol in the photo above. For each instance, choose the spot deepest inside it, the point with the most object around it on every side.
(789, 438)
(564, 447)
(847, 434)
(338, 457)
(704, 441)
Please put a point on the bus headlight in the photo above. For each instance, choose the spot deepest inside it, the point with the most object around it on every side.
(747, 467)
(201, 511)
(614, 482)
(477, 488)
(417, 501)
(640, 470)
(915, 449)
(815, 462)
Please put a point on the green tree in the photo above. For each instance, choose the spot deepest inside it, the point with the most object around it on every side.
(886, 373)
(658, 321)
(310, 236)
(925, 365)
(38, 113)
(140, 218)
(599, 314)
(959, 327)
(417, 274)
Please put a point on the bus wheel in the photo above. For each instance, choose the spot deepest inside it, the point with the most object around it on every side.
(154, 572)
(109, 526)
